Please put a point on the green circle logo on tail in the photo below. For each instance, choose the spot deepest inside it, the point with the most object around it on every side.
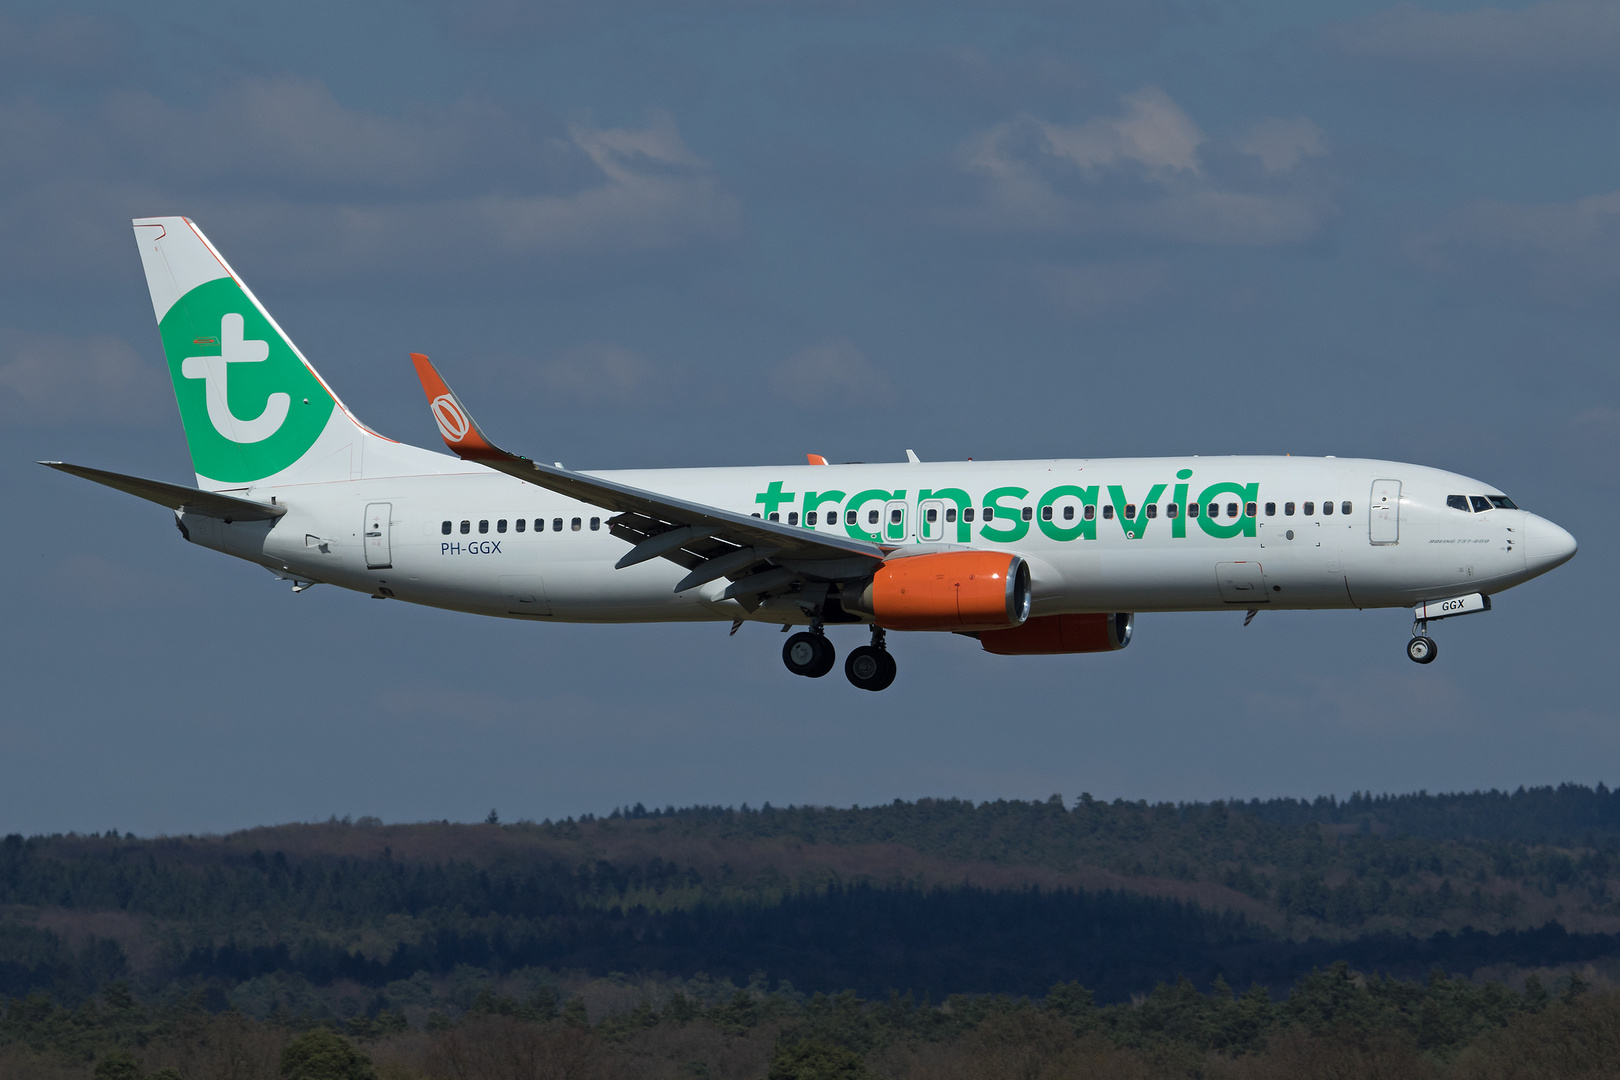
(250, 407)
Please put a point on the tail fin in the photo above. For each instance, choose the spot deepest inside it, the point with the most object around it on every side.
(253, 407)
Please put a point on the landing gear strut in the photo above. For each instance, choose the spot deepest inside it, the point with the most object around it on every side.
(1422, 649)
(870, 667)
(809, 653)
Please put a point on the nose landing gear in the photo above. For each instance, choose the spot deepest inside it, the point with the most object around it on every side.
(870, 667)
(1422, 648)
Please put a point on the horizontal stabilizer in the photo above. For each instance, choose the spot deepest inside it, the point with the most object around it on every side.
(177, 496)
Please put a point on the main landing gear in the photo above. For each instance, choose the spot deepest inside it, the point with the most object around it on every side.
(1422, 649)
(809, 654)
(869, 667)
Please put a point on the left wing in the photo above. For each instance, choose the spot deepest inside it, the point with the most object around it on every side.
(761, 558)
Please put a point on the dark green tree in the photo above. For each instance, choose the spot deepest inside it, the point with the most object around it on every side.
(817, 1061)
(323, 1054)
(118, 1065)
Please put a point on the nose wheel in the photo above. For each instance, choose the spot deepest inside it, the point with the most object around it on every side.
(870, 667)
(809, 654)
(1422, 649)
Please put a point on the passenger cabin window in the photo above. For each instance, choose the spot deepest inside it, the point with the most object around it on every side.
(556, 524)
(1327, 507)
(849, 517)
(968, 514)
(575, 524)
(520, 524)
(1288, 509)
(500, 526)
(1248, 510)
(483, 526)
(775, 516)
(539, 524)
(871, 517)
(1029, 513)
(1130, 511)
(1108, 511)
(1068, 513)
(1344, 508)
(1310, 508)
(596, 523)
(810, 518)
(1192, 509)
(989, 513)
(1046, 513)
(793, 518)
(1091, 512)
(1214, 510)
(1171, 510)
(894, 517)
(950, 513)
(445, 528)
(1481, 503)
(1271, 509)
(1153, 510)
(466, 527)
(1502, 502)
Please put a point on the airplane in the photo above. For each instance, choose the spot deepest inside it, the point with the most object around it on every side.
(1028, 557)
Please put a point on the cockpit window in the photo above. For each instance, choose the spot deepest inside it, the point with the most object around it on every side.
(1481, 503)
(1502, 502)
(1457, 502)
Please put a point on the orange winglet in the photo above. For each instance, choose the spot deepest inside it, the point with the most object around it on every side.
(814, 459)
(460, 433)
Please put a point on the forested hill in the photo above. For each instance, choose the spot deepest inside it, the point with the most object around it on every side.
(935, 896)
(1568, 814)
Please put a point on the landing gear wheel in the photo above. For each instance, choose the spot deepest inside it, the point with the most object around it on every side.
(870, 668)
(1422, 650)
(808, 654)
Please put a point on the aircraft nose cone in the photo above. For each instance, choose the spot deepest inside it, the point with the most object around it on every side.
(1546, 545)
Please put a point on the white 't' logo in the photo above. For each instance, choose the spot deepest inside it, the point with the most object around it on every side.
(212, 371)
(453, 423)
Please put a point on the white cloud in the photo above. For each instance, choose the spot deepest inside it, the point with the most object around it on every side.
(1557, 38)
(1564, 253)
(1282, 144)
(831, 372)
(1150, 130)
(49, 380)
(1145, 172)
(326, 190)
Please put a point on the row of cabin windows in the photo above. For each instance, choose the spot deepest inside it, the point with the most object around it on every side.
(521, 525)
(896, 516)
(1047, 513)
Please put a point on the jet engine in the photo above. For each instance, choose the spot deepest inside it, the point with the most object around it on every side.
(950, 590)
(1061, 634)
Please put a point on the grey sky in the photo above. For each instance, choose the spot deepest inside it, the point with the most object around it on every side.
(995, 231)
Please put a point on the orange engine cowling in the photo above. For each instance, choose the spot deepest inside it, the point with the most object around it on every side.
(1062, 634)
(951, 590)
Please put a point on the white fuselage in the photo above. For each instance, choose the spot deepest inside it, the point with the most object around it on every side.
(1391, 539)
